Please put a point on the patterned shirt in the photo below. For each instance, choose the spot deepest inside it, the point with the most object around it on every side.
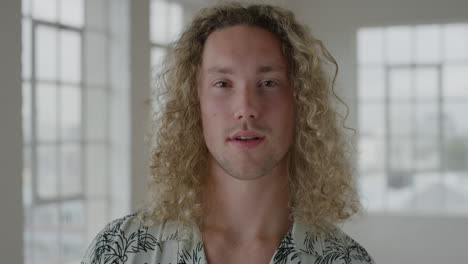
(127, 240)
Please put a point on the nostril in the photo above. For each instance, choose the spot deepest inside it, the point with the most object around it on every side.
(244, 114)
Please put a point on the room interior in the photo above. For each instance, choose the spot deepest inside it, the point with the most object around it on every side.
(120, 48)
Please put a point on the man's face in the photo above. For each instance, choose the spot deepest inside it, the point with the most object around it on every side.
(246, 101)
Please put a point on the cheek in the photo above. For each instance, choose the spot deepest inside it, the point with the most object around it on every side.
(211, 113)
(283, 107)
(284, 117)
(288, 122)
(213, 106)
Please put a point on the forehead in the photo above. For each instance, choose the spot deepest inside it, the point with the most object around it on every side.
(242, 44)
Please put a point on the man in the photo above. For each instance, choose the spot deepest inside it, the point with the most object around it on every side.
(249, 164)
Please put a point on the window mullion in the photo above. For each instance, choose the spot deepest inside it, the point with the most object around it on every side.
(441, 134)
(387, 135)
(34, 166)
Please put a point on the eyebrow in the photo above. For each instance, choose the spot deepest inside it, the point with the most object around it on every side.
(261, 69)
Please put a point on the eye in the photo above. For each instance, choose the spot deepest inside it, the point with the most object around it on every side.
(268, 83)
(221, 84)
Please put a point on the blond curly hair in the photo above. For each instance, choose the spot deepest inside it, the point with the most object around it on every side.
(321, 186)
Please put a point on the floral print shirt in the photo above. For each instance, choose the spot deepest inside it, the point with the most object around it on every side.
(127, 240)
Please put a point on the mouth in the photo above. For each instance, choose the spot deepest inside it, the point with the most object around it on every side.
(246, 139)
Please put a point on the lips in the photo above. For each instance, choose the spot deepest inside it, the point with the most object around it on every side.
(246, 139)
(246, 134)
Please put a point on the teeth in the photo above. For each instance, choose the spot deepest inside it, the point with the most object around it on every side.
(246, 138)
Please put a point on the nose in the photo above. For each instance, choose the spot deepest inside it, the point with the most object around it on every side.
(247, 106)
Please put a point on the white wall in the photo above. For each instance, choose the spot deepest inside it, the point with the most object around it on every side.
(11, 217)
(140, 84)
(412, 239)
(389, 238)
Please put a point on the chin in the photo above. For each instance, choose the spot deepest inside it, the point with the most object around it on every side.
(247, 173)
(247, 176)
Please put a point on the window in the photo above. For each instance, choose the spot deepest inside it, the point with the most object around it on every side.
(165, 26)
(413, 102)
(67, 99)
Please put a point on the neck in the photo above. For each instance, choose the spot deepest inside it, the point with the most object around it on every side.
(246, 209)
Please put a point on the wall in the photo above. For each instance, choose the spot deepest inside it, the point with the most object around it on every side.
(11, 227)
(140, 83)
(412, 239)
(389, 238)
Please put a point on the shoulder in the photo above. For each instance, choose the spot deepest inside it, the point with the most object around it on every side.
(334, 246)
(129, 239)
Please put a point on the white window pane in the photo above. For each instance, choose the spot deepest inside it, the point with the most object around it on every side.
(370, 45)
(427, 118)
(26, 7)
(373, 188)
(455, 80)
(456, 42)
(70, 170)
(96, 171)
(371, 119)
(456, 136)
(400, 192)
(401, 199)
(71, 12)
(401, 118)
(175, 21)
(426, 82)
(70, 56)
(46, 234)
(398, 42)
(429, 195)
(28, 234)
(46, 101)
(159, 22)
(371, 153)
(26, 112)
(428, 40)
(27, 176)
(96, 216)
(371, 83)
(26, 49)
(456, 154)
(400, 83)
(47, 177)
(72, 230)
(401, 161)
(96, 114)
(46, 53)
(70, 113)
(157, 56)
(45, 10)
(96, 59)
(427, 155)
(457, 192)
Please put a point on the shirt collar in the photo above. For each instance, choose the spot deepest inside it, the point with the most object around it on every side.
(303, 238)
(306, 240)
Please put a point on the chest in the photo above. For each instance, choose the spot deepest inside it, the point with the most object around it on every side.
(232, 254)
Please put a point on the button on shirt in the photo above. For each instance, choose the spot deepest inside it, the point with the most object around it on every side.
(127, 240)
